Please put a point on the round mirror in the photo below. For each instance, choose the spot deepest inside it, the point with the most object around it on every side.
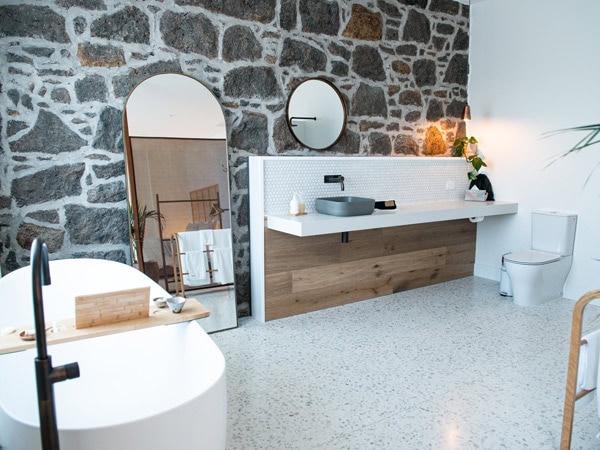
(316, 114)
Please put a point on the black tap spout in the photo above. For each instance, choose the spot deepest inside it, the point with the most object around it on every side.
(45, 374)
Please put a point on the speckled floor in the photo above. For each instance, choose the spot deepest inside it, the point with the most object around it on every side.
(451, 366)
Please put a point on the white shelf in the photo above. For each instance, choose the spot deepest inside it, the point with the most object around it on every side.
(314, 224)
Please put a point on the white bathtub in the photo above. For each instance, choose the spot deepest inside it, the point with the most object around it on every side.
(156, 388)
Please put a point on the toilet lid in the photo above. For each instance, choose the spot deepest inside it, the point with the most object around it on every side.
(531, 257)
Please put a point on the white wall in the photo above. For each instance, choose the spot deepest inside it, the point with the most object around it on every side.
(534, 68)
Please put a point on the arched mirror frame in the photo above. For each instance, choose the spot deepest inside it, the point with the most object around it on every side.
(132, 194)
(311, 116)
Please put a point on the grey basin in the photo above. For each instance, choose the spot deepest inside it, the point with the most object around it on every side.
(345, 206)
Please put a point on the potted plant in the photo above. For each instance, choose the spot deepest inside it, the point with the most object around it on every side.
(460, 149)
(143, 214)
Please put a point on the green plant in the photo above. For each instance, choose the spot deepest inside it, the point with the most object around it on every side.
(460, 147)
(143, 213)
(591, 138)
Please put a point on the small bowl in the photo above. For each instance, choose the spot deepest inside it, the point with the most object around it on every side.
(160, 302)
(27, 335)
(176, 304)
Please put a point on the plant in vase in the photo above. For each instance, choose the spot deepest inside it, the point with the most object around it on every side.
(460, 149)
(143, 214)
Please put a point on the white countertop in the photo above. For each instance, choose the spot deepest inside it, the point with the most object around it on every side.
(314, 224)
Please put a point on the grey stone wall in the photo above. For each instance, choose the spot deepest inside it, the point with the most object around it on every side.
(67, 66)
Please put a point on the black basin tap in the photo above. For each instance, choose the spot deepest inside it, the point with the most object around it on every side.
(335, 179)
(45, 374)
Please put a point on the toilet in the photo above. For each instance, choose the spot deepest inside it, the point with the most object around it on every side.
(538, 275)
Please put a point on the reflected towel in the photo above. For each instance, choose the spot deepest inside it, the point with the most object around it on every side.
(222, 238)
(194, 240)
(223, 263)
(195, 265)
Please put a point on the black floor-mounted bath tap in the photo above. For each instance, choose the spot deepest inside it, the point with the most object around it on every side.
(45, 374)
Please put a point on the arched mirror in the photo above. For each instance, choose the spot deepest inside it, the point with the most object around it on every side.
(178, 191)
(316, 113)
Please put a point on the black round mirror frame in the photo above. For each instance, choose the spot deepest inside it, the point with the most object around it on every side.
(289, 119)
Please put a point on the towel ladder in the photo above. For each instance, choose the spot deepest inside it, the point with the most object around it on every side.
(178, 267)
(571, 395)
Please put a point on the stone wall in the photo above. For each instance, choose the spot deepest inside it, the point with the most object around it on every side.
(67, 66)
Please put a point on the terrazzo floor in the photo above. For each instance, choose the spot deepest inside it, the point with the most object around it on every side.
(450, 366)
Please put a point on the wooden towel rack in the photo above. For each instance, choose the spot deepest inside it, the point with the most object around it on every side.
(571, 395)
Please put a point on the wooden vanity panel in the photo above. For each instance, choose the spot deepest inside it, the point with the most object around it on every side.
(310, 273)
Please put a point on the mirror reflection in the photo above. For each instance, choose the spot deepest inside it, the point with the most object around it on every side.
(178, 187)
(316, 114)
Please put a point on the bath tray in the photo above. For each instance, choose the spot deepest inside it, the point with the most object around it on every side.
(67, 332)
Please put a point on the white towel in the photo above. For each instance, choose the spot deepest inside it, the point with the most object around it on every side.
(587, 372)
(223, 263)
(195, 265)
(222, 239)
(195, 240)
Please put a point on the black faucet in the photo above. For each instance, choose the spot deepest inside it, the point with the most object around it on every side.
(45, 374)
(335, 179)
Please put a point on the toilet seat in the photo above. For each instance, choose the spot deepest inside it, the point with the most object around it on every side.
(531, 257)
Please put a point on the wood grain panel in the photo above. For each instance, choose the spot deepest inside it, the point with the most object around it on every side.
(360, 272)
(310, 273)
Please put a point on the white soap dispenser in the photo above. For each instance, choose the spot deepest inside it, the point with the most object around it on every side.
(297, 205)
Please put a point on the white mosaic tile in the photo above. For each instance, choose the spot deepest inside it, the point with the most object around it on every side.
(405, 180)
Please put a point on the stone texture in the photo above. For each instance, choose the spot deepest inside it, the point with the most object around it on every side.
(107, 193)
(348, 144)
(401, 67)
(340, 50)
(380, 144)
(458, 70)
(306, 57)
(251, 133)
(49, 184)
(79, 24)
(367, 62)
(14, 126)
(91, 88)
(190, 33)
(407, 50)
(282, 136)
(424, 71)
(410, 98)
(48, 216)
(48, 135)
(53, 237)
(111, 255)
(33, 21)
(124, 84)
(320, 16)
(419, 3)
(364, 24)
(108, 171)
(110, 131)
(94, 55)
(434, 142)
(85, 4)
(339, 68)
(45, 52)
(435, 110)
(444, 28)
(406, 145)
(461, 41)
(444, 6)
(288, 16)
(88, 226)
(60, 95)
(389, 9)
(369, 101)
(130, 25)
(263, 83)
(417, 27)
(240, 43)
(256, 10)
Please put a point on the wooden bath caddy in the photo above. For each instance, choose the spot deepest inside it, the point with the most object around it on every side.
(67, 331)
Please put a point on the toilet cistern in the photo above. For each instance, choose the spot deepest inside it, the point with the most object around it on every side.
(335, 179)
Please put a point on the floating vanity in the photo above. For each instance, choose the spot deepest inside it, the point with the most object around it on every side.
(301, 263)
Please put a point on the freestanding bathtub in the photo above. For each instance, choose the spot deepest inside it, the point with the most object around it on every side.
(156, 388)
